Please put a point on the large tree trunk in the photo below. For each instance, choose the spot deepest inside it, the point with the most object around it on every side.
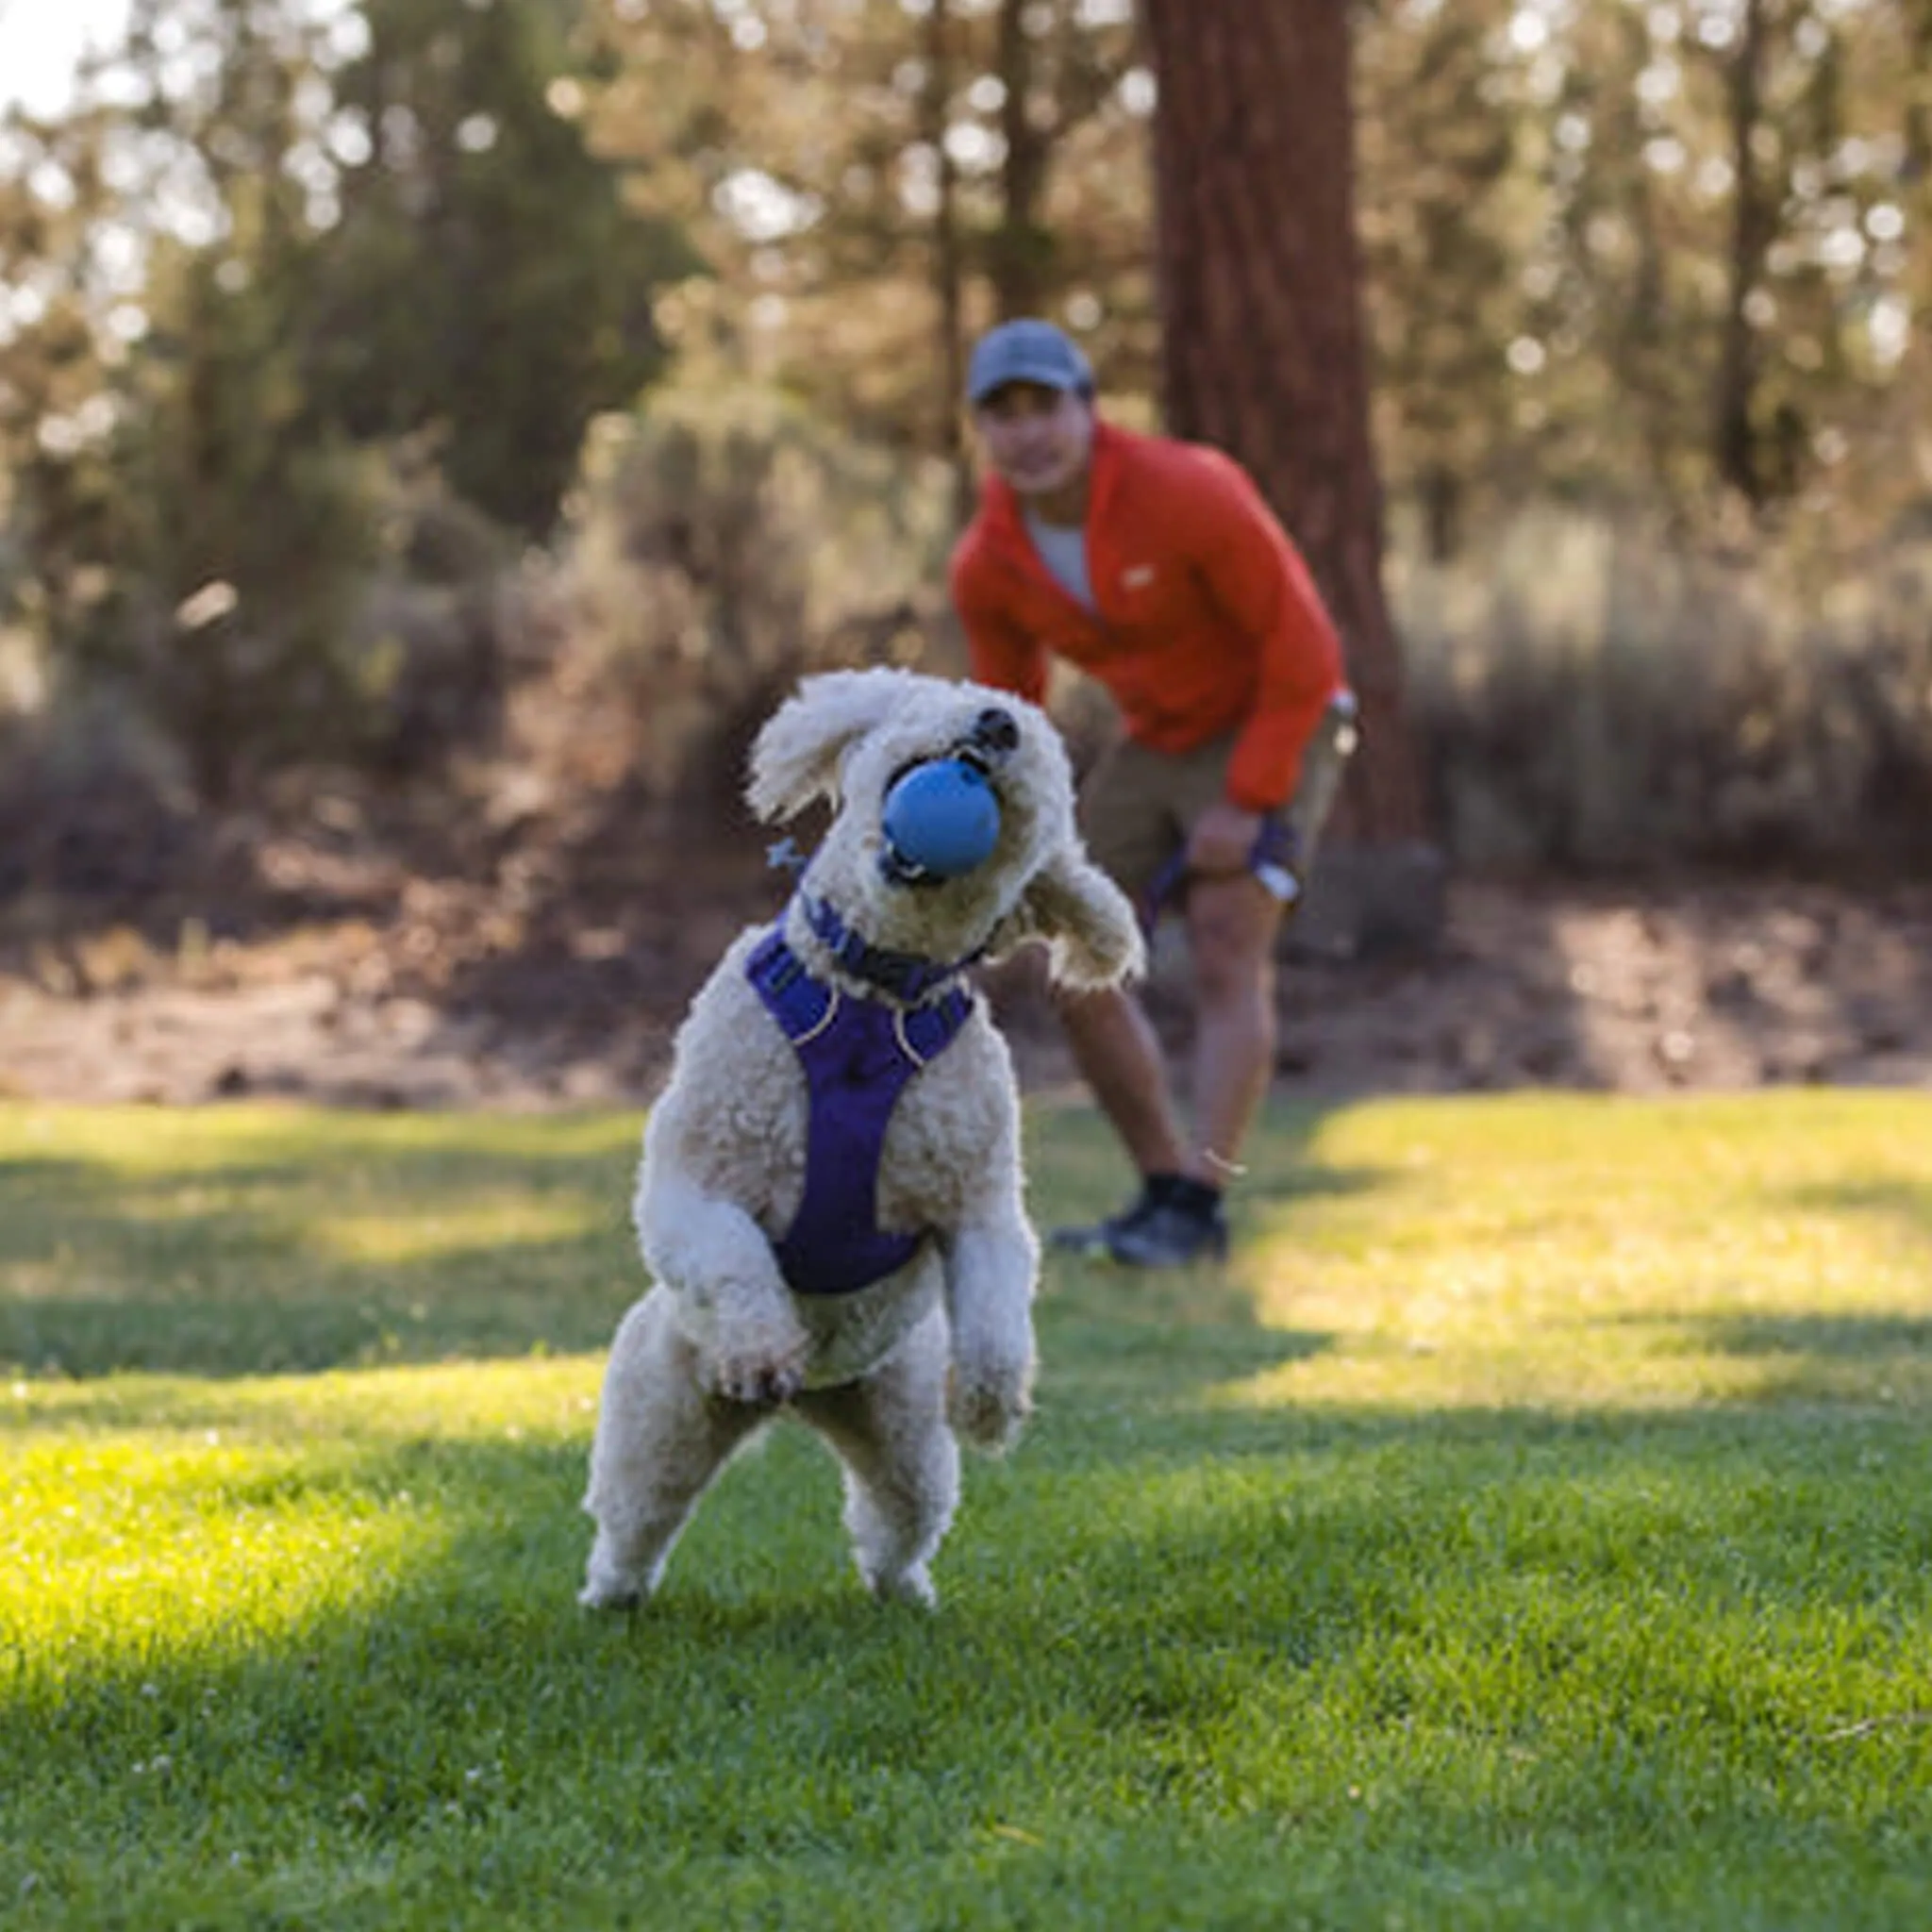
(1740, 459)
(948, 273)
(1020, 250)
(1263, 338)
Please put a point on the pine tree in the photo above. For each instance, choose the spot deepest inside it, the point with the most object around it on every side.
(1261, 288)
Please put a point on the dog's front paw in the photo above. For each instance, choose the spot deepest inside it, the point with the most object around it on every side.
(988, 1411)
(763, 1372)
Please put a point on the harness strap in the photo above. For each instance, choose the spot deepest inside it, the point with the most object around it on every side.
(1272, 860)
(858, 1056)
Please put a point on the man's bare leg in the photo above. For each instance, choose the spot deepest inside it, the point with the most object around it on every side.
(1120, 1058)
(1231, 926)
(1232, 923)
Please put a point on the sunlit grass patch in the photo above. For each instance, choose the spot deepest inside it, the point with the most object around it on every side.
(151, 1520)
(144, 1549)
(537, 1396)
(1533, 1528)
(1587, 1250)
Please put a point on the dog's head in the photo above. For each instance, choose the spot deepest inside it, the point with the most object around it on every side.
(1018, 872)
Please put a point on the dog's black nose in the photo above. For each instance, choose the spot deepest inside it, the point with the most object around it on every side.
(996, 730)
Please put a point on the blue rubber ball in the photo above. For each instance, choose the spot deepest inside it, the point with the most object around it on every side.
(942, 817)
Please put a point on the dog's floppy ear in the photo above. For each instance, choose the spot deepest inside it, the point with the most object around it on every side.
(796, 758)
(1092, 936)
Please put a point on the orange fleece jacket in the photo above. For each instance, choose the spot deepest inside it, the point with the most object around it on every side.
(1206, 618)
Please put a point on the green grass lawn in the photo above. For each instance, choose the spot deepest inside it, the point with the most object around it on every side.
(1532, 1529)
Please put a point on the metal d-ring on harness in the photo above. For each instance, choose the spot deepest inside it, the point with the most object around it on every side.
(824, 1021)
(905, 1045)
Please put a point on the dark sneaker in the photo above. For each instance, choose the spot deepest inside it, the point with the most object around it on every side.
(1171, 1237)
(1097, 1237)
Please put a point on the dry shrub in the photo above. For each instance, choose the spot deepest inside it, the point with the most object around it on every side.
(95, 803)
(719, 545)
(126, 768)
(366, 636)
(1589, 696)
(430, 633)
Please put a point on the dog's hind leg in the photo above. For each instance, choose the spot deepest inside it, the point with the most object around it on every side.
(901, 1463)
(659, 1441)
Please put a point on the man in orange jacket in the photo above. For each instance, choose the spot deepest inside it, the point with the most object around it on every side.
(1155, 567)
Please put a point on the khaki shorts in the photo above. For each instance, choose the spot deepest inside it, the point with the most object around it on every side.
(1137, 806)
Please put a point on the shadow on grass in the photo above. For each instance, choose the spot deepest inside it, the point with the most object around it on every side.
(1192, 1328)
(1840, 1338)
(1093, 1179)
(353, 1243)
(1168, 1633)
(1164, 1615)
(327, 1257)
(1818, 1336)
(1906, 1206)
(1388, 1500)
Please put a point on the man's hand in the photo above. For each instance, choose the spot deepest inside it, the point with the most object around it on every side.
(1222, 841)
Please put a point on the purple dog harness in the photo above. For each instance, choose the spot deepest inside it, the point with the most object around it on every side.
(857, 1055)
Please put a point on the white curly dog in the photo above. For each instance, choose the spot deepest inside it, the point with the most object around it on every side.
(830, 1194)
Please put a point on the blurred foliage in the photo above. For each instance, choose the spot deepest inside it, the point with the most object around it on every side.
(874, 180)
(313, 318)
(1590, 696)
(484, 280)
(1667, 253)
(717, 547)
(281, 282)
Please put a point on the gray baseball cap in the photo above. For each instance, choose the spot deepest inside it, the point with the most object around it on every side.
(1027, 350)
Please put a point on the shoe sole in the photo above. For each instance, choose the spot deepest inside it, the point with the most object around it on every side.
(1080, 1241)
(1209, 1255)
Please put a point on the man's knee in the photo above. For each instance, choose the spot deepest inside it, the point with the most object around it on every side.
(1231, 929)
(1226, 981)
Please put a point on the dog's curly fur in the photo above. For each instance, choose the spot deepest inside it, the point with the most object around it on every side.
(887, 1372)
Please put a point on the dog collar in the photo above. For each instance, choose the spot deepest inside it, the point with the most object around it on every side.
(909, 978)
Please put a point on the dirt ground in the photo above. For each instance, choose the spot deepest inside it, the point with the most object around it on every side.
(321, 966)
